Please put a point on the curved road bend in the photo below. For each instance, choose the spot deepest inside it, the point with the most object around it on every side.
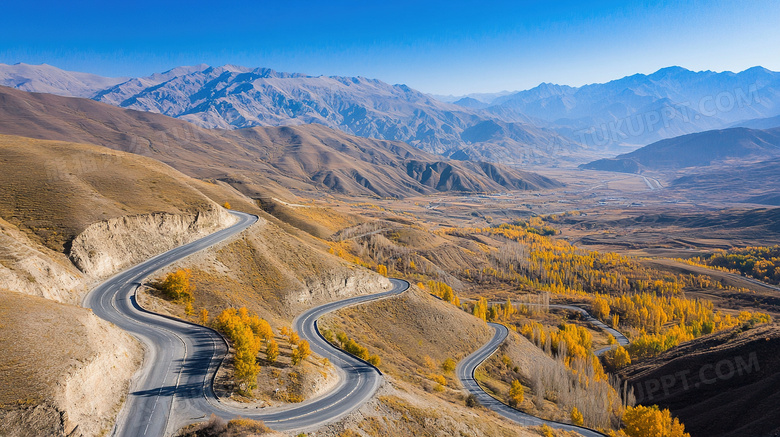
(174, 385)
(468, 366)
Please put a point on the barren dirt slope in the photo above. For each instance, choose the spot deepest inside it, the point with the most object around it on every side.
(61, 368)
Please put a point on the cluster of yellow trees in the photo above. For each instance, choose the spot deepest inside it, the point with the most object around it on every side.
(533, 260)
(176, 286)
(666, 321)
(757, 261)
(641, 421)
(617, 358)
(351, 346)
(441, 290)
(300, 348)
(249, 334)
(571, 343)
(494, 312)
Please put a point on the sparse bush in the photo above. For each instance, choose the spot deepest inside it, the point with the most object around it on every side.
(218, 427)
(448, 365)
(547, 431)
(439, 379)
(242, 425)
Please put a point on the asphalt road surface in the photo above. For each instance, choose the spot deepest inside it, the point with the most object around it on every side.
(468, 366)
(174, 386)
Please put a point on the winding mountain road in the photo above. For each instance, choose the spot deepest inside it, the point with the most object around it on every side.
(468, 366)
(465, 371)
(174, 385)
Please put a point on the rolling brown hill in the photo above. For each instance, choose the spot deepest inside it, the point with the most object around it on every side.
(696, 150)
(308, 157)
(723, 384)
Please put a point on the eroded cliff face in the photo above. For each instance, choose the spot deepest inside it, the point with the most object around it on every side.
(91, 393)
(335, 284)
(108, 246)
(29, 268)
(103, 249)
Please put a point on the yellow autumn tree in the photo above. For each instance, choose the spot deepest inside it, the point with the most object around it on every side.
(293, 338)
(509, 309)
(261, 328)
(576, 417)
(176, 285)
(622, 358)
(642, 421)
(300, 352)
(516, 393)
(272, 351)
(204, 316)
(617, 358)
(481, 308)
(447, 294)
(381, 269)
(601, 309)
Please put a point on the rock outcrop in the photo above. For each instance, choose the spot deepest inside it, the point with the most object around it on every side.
(108, 246)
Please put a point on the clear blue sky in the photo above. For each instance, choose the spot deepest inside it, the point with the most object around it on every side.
(448, 47)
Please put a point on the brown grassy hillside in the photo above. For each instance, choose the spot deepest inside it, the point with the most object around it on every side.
(302, 157)
(55, 189)
(724, 384)
(61, 366)
(414, 335)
